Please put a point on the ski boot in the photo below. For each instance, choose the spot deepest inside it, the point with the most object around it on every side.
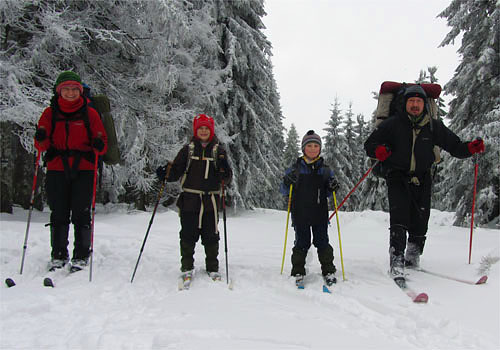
(78, 264)
(56, 264)
(330, 279)
(299, 281)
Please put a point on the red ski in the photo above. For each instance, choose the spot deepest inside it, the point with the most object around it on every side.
(415, 297)
(481, 280)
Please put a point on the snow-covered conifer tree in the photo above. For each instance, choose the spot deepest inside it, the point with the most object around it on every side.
(475, 108)
(248, 109)
(351, 168)
(373, 191)
(336, 152)
(292, 147)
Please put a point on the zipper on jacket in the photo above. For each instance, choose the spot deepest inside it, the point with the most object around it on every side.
(66, 124)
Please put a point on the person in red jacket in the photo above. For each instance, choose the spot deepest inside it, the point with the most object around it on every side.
(72, 135)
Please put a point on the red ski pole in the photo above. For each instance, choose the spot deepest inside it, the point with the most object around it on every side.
(476, 166)
(354, 189)
(32, 200)
(93, 216)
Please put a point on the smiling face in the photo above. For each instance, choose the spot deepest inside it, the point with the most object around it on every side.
(70, 93)
(203, 133)
(415, 106)
(311, 150)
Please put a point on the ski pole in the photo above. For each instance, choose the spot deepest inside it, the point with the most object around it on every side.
(476, 166)
(92, 222)
(32, 200)
(340, 240)
(354, 189)
(169, 166)
(225, 228)
(286, 229)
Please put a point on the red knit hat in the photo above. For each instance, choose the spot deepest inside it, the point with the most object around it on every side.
(203, 120)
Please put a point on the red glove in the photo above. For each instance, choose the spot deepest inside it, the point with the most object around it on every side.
(476, 146)
(382, 153)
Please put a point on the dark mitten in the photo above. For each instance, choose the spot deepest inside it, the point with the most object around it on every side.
(161, 172)
(333, 185)
(382, 153)
(290, 179)
(223, 165)
(98, 144)
(40, 134)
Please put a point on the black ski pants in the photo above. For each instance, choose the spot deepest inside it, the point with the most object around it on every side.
(190, 234)
(70, 201)
(409, 207)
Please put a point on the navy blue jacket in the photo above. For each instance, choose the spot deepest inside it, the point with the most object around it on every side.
(309, 196)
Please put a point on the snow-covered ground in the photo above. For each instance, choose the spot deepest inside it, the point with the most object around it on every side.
(264, 310)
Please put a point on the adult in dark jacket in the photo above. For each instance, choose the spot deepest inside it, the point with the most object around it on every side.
(201, 175)
(313, 181)
(71, 133)
(405, 144)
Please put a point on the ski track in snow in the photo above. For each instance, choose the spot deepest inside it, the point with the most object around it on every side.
(264, 310)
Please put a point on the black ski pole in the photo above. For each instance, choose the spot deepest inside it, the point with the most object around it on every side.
(223, 197)
(169, 166)
(25, 245)
(92, 223)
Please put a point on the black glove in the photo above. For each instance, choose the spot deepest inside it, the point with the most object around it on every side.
(161, 172)
(40, 134)
(223, 165)
(290, 179)
(98, 144)
(333, 185)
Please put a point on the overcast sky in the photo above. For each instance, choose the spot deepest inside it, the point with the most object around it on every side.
(328, 48)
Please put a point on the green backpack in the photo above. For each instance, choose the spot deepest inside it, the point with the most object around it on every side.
(102, 105)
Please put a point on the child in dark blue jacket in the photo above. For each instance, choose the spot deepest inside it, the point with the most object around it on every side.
(313, 181)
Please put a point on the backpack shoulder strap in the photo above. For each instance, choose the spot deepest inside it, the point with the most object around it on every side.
(215, 149)
(188, 164)
(86, 119)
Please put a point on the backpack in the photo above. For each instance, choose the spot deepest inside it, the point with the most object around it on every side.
(391, 103)
(102, 105)
(191, 156)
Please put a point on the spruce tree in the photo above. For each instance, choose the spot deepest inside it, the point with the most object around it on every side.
(336, 153)
(292, 147)
(475, 109)
(351, 168)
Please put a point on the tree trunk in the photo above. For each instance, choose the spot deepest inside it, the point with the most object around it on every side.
(17, 172)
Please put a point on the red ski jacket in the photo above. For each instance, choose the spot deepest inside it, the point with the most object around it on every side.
(70, 134)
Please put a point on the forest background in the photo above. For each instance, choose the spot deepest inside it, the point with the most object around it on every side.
(163, 62)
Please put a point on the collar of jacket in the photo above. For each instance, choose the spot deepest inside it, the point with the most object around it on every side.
(419, 124)
(307, 161)
(197, 141)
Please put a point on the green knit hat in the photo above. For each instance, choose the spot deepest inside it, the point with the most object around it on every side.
(68, 76)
